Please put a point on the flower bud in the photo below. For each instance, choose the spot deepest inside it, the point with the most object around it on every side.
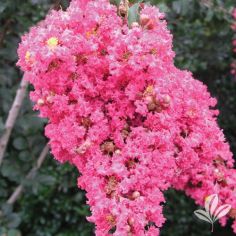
(131, 221)
(149, 99)
(166, 101)
(84, 147)
(49, 99)
(40, 102)
(118, 152)
(134, 25)
(135, 195)
(128, 228)
(123, 10)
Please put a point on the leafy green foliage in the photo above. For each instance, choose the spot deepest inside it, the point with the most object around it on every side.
(51, 204)
(133, 14)
(116, 2)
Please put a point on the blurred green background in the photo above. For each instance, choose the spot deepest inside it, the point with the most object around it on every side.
(51, 204)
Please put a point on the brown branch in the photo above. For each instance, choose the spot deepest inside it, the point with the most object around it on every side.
(56, 5)
(16, 194)
(11, 119)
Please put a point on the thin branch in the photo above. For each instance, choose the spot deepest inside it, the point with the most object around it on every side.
(11, 119)
(16, 194)
(56, 5)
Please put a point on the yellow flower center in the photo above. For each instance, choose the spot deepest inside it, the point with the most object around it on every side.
(149, 90)
(111, 219)
(27, 56)
(153, 51)
(52, 42)
(91, 33)
(207, 199)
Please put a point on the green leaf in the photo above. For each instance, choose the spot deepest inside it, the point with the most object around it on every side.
(20, 143)
(177, 6)
(25, 156)
(13, 232)
(133, 14)
(6, 209)
(3, 6)
(2, 127)
(115, 2)
(14, 220)
(11, 170)
(47, 180)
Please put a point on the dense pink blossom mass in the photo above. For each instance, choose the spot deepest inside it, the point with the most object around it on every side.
(120, 111)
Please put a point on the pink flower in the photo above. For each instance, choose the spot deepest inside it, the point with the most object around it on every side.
(120, 111)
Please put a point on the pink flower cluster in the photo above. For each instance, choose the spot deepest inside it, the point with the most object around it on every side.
(233, 65)
(120, 111)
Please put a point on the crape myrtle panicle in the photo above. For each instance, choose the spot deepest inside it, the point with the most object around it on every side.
(120, 111)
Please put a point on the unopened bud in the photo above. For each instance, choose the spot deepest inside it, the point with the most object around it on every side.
(128, 228)
(123, 10)
(135, 195)
(131, 221)
(118, 152)
(40, 102)
(166, 101)
(83, 148)
(149, 99)
(135, 25)
(49, 99)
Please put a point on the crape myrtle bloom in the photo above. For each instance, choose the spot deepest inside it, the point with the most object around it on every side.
(120, 111)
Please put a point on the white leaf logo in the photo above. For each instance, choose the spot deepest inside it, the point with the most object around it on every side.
(212, 212)
(211, 203)
(222, 211)
(203, 215)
